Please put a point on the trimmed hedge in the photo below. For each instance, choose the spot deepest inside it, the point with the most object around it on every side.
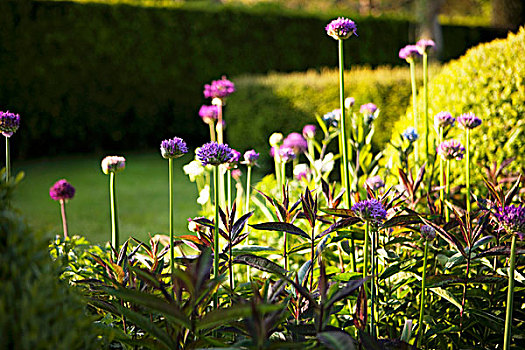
(91, 76)
(488, 81)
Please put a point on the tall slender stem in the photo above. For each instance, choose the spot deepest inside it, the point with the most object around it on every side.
(283, 176)
(229, 188)
(423, 297)
(372, 288)
(220, 140)
(312, 257)
(441, 170)
(248, 182)
(425, 89)
(365, 249)
(510, 296)
(113, 209)
(414, 105)
(468, 168)
(447, 185)
(212, 130)
(7, 160)
(170, 181)
(64, 219)
(216, 232)
(277, 170)
(311, 152)
(344, 151)
(285, 251)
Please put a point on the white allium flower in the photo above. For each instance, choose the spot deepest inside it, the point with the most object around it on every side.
(204, 195)
(193, 169)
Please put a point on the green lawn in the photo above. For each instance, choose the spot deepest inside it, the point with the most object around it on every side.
(142, 192)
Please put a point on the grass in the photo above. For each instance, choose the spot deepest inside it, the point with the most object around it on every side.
(142, 193)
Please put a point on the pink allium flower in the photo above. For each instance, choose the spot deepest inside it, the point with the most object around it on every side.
(341, 28)
(219, 88)
(451, 149)
(469, 121)
(61, 190)
(296, 142)
(409, 52)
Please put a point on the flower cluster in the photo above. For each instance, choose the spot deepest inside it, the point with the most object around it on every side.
(301, 171)
(296, 142)
(424, 45)
(209, 113)
(214, 154)
(410, 134)
(370, 210)
(251, 157)
(369, 111)
(9, 123)
(309, 131)
(409, 52)
(236, 157)
(444, 119)
(61, 190)
(469, 121)
(428, 232)
(173, 148)
(113, 164)
(332, 118)
(375, 182)
(341, 28)
(512, 219)
(451, 149)
(286, 154)
(219, 88)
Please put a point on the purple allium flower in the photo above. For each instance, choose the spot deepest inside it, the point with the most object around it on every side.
(173, 148)
(409, 52)
(209, 113)
(341, 28)
(296, 142)
(410, 134)
(286, 154)
(469, 121)
(332, 118)
(451, 149)
(236, 158)
(251, 157)
(428, 232)
(214, 154)
(309, 131)
(349, 102)
(61, 190)
(113, 164)
(236, 174)
(368, 108)
(375, 182)
(370, 210)
(444, 119)
(512, 219)
(9, 123)
(424, 45)
(219, 88)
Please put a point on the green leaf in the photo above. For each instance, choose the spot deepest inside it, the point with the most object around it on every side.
(254, 249)
(342, 293)
(303, 272)
(441, 280)
(343, 223)
(259, 263)
(337, 340)
(447, 296)
(220, 317)
(299, 247)
(281, 226)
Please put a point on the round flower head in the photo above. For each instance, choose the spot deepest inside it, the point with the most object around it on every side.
(286, 154)
(113, 164)
(424, 45)
(296, 142)
(236, 174)
(428, 232)
(469, 121)
(444, 119)
(301, 171)
(309, 131)
(219, 88)
(375, 182)
(209, 113)
(173, 148)
(451, 149)
(276, 139)
(341, 28)
(368, 108)
(193, 169)
(512, 219)
(9, 123)
(214, 154)
(410, 134)
(61, 190)
(236, 156)
(251, 157)
(370, 210)
(409, 52)
(349, 102)
(332, 118)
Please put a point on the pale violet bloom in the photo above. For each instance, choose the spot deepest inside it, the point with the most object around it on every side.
(301, 171)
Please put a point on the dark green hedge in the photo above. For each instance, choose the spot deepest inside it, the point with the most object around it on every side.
(87, 77)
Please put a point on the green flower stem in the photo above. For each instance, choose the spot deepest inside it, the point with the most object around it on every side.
(7, 160)
(248, 181)
(172, 248)
(312, 257)
(447, 187)
(414, 104)
(365, 249)
(229, 188)
(212, 130)
(277, 173)
(283, 176)
(285, 251)
(423, 297)
(441, 170)
(425, 89)
(220, 140)
(216, 233)
(64, 219)
(311, 152)
(344, 151)
(372, 288)
(113, 210)
(468, 168)
(510, 296)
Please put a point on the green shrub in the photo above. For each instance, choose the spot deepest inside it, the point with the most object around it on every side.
(87, 77)
(37, 310)
(488, 81)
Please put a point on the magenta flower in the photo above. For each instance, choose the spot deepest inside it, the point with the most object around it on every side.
(251, 157)
(409, 52)
(451, 149)
(309, 131)
(113, 164)
(219, 88)
(296, 142)
(424, 45)
(214, 154)
(341, 28)
(512, 219)
(209, 113)
(368, 108)
(61, 190)
(236, 158)
(370, 210)
(444, 119)
(286, 154)
(469, 121)
(236, 174)
(9, 123)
